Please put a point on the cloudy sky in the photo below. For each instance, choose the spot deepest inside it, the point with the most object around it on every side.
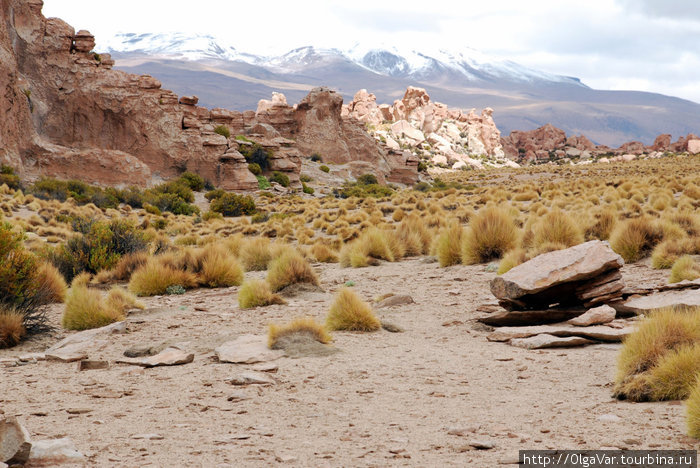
(647, 45)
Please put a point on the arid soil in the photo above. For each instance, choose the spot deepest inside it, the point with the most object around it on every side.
(422, 397)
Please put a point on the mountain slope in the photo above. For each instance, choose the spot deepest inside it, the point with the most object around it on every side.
(523, 99)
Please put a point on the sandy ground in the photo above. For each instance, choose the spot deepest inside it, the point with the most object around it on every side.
(416, 398)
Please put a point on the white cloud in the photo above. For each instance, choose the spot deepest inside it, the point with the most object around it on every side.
(651, 45)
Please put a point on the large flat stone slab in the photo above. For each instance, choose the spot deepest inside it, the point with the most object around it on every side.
(530, 317)
(52, 452)
(675, 299)
(75, 347)
(581, 262)
(598, 332)
(595, 316)
(247, 349)
(550, 341)
(167, 357)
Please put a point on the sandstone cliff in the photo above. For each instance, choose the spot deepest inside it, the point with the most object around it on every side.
(65, 112)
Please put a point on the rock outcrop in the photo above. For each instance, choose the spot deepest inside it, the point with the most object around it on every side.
(549, 143)
(430, 130)
(66, 113)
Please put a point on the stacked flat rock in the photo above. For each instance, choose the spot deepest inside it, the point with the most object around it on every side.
(584, 275)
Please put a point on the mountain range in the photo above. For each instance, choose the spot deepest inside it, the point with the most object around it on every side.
(522, 98)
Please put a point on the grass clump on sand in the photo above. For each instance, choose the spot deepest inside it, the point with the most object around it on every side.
(448, 245)
(85, 307)
(663, 332)
(511, 259)
(349, 312)
(290, 268)
(556, 227)
(634, 238)
(324, 254)
(300, 326)
(155, 277)
(52, 282)
(11, 327)
(684, 268)
(693, 411)
(257, 293)
(491, 233)
(255, 254)
(673, 377)
(219, 268)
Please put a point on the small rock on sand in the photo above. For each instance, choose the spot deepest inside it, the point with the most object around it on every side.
(251, 378)
(54, 451)
(549, 341)
(595, 316)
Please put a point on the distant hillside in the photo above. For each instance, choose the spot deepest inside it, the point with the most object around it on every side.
(523, 99)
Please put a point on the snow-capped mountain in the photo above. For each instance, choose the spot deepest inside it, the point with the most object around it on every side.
(387, 60)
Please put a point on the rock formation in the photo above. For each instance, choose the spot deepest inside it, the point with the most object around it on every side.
(430, 130)
(66, 113)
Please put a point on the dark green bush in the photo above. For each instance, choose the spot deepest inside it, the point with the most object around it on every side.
(306, 189)
(305, 178)
(260, 217)
(82, 193)
(256, 154)
(223, 130)
(325, 168)
(316, 157)
(362, 191)
(263, 183)
(216, 193)
(97, 246)
(421, 186)
(7, 170)
(175, 187)
(255, 168)
(367, 179)
(151, 209)
(242, 138)
(174, 196)
(132, 196)
(231, 204)
(422, 167)
(160, 223)
(211, 215)
(193, 181)
(280, 178)
(10, 180)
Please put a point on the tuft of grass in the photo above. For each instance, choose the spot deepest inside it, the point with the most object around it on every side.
(257, 293)
(324, 254)
(122, 300)
(52, 282)
(85, 308)
(663, 331)
(305, 326)
(556, 227)
(290, 268)
(154, 278)
(448, 245)
(126, 265)
(255, 254)
(511, 259)
(673, 377)
(635, 238)
(693, 411)
(684, 268)
(492, 232)
(11, 327)
(219, 268)
(349, 312)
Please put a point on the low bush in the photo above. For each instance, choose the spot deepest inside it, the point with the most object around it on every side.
(362, 191)
(349, 312)
(306, 189)
(52, 282)
(316, 157)
(290, 268)
(86, 309)
(256, 154)
(693, 411)
(448, 245)
(119, 299)
(193, 181)
(684, 268)
(635, 238)
(214, 194)
(231, 204)
(324, 254)
(82, 193)
(556, 227)
(255, 168)
(367, 179)
(325, 168)
(305, 178)
(219, 268)
(280, 178)
(263, 183)
(255, 254)
(301, 326)
(12, 328)
(491, 233)
(155, 277)
(257, 293)
(223, 130)
(674, 375)
(9, 178)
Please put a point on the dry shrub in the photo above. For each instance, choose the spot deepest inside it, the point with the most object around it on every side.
(684, 268)
(85, 308)
(127, 265)
(257, 293)
(491, 233)
(693, 411)
(511, 259)
(448, 245)
(556, 227)
(11, 327)
(414, 235)
(219, 268)
(52, 282)
(349, 312)
(324, 254)
(122, 300)
(673, 377)
(661, 332)
(304, 326)
(155, 277)
(634, 238)
(375, 243)
(290, 268)
(255, 254)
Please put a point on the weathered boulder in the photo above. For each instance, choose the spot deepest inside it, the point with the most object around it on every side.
(596, 316)
(560, 277)
(53, 452)
(673, 299)
(247, 349)
(15, 443)
(693, 146)
(75, 347)
(170, 356)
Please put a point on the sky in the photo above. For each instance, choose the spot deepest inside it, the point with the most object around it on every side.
(644, 45)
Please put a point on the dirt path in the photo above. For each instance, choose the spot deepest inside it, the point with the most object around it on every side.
(416, 398)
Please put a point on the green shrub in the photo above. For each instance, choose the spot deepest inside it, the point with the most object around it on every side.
(154, 210)
(256, 154)
(175, 187)
(82, 193)
(367, 179)
(362, 191)
(263, 183)
(316, 157)
(223, 130)
(209, 215)
(8, 177)
(305, 178)
(211, 195)
(421, 186)
(255, 168)
(243, 138)
(280, 178)
(7, 170)
(325, 168)
(422, 167)
(193, 181)
(260, 217)
(306, 189)
(231, 204)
